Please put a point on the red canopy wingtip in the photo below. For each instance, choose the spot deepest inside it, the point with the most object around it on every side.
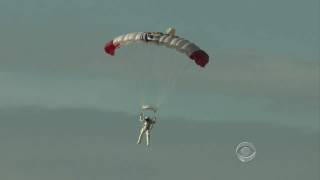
(110, 48)
(200, 57)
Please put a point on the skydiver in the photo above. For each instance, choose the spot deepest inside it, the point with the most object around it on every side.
(148, 124)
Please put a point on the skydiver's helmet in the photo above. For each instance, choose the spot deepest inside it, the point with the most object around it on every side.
(147, 118)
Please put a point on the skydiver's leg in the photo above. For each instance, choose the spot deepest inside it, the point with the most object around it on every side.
(148, 137)
(140, 135)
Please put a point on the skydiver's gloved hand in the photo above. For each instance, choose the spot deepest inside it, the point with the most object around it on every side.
(141, 116)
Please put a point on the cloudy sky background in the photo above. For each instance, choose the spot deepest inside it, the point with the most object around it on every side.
(263, 73)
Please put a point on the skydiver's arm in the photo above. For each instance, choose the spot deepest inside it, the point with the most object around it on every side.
(141, 117)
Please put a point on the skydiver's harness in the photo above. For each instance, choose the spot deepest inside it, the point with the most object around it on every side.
(149, 124)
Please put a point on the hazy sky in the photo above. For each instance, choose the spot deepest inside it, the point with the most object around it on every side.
(69, 111)
(39, 143)
(264, 57)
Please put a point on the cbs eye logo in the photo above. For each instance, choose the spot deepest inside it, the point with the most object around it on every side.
(245, 151)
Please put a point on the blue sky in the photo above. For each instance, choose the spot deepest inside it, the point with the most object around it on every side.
(265, 65)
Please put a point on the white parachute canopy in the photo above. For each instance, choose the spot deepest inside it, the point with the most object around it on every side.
(149, 108)
(168, 39)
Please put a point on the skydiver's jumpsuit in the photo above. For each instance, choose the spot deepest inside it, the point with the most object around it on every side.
(147, 126)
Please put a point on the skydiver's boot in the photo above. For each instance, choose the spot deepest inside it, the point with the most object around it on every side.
(140, 136)
(148, 137)
(139, 139)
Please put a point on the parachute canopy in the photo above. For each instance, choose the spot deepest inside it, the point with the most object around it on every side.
(149, 108)
(168, 39)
